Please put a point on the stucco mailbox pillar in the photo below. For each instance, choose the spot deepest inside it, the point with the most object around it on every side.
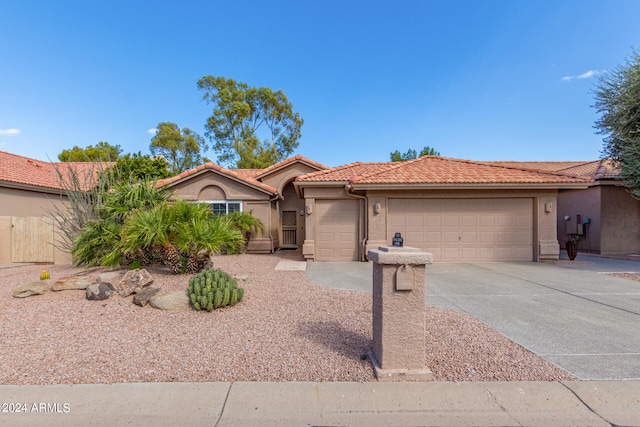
(399, 283)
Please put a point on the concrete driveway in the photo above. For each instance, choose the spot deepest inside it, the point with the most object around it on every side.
(573, 315)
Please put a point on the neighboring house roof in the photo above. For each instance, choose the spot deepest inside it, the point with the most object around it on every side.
(438, 171)
(22, 171)
(596, 169)
(210, 166)
(553, 166)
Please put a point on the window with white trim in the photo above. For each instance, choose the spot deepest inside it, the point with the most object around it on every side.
(223, 207)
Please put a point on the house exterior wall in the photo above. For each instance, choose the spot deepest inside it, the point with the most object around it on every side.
(274, 218)
(586, 203)
(16, 202)
(261, 243)
(620, 225)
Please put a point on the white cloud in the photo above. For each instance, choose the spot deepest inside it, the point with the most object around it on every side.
(9, 132)
(152, 131)
(585, 75)
(588, 74)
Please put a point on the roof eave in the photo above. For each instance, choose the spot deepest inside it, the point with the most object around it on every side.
(31, 187)
(320, 183)
(474, 186)
(285, 165)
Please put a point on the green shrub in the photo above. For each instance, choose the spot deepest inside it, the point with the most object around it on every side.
(211, 289)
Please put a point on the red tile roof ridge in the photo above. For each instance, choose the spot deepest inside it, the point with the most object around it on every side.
(221, 169)
(292, 159)
(397, 173)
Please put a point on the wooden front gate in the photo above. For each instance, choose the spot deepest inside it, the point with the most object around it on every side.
(32, 239)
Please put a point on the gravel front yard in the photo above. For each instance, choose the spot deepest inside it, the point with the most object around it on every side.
(285, 329)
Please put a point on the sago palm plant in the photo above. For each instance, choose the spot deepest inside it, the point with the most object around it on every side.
(247, 224)
(183, 234)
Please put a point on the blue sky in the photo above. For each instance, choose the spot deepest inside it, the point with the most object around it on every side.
(480, 80)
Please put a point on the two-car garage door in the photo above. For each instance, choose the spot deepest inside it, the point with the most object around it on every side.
(466, 229)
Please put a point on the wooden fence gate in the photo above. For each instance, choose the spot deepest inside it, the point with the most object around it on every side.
(32, 239)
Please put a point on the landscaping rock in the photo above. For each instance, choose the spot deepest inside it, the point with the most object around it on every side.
(173, 301)
(134, 281)
(110, 277)
(29, 289)
(99, 291)
(142, 298)
(241, 278)
(73, 282)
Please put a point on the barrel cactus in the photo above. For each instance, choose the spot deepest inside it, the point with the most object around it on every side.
(44, 275)
(211, 289)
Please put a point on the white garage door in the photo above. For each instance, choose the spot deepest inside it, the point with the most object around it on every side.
(337, 237)
(466, 229)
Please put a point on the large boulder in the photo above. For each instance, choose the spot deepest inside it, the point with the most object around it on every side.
(29, 289)
(174, 301)
(110, 276)
(134, 281)
(142, 298)
(73, 282)
(99, 291)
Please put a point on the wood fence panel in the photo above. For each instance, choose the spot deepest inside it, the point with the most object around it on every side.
(32, 239)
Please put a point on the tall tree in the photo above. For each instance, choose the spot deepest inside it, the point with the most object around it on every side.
(182, 148)
(617, 98)
(242, 115)
(102, 152)
(396, 156)
(136, 167)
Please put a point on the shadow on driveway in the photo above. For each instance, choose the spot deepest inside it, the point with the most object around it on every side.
(571, 314)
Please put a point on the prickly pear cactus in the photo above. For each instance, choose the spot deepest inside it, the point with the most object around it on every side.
(211, 289)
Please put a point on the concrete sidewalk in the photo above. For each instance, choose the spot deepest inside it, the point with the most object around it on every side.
(588, 403)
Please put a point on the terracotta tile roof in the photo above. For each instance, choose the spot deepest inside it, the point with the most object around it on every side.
(552, 166)
(217, 168)
(26, 171)
(285, 162)
(596, 169)
(346, 172)
(247, 173)
(443, 170)
(437, 170)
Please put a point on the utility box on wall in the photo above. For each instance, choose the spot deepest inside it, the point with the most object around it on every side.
(574, 225)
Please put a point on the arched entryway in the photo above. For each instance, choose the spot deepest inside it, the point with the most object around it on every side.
(291, 221)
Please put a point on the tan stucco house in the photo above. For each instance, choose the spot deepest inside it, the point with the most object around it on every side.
(29, 190)
(458, 210)
(268, 194)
